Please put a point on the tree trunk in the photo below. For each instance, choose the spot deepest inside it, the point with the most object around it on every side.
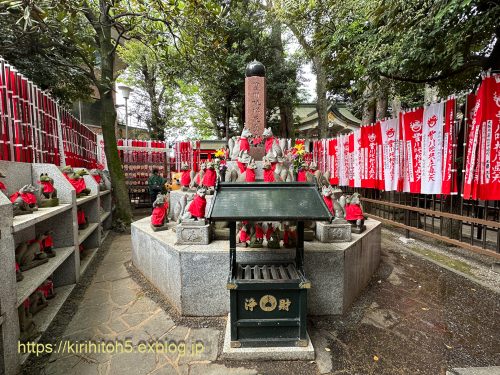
(382, 104)
(157, 129)
(108, 118)
(227, 118)
(322, 103)
(368, 107)
(285, 104)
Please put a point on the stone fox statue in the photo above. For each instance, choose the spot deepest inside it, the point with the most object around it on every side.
(274, 152)
(335, 207)
(46, 187)
(98, 177)
(24, 201)
(159, 216)
(241, 144)
(198, 179)
(194, 209)
(27, 253)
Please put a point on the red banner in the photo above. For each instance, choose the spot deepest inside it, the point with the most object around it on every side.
(413, 122)
(448, 146)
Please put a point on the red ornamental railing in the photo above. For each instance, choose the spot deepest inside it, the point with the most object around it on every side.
(35, 129)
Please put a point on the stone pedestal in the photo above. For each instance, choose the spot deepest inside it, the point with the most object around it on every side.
(159, 229)
(193, 234)
(257, 152)
(335, 232)
(194, 278)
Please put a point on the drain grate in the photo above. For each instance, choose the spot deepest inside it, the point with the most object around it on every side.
(267, 272)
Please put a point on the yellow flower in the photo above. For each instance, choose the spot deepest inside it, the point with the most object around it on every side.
(301, 152)
(219, 153)
(299, 146)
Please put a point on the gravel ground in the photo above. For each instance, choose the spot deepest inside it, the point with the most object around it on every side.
(480, 264)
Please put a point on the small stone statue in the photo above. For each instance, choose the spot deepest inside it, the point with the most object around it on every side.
(76, 180)
(274, 152)
(31, 254)
(47, 192)
(197, 180)
(24, 201)
(257, 238)
(210, 178)
(250, 172)
(269, 175)
(83, 222)
(37, 301)
(187, 176)
(159, 217)
(241, 145)
(47, 288)
(26, 325)
(2, 186)
(193, 211)
(289, 237)
(98, 176)
(48, 243)
(242, 236)
(354, 213)
(334, 206)
(273, 237)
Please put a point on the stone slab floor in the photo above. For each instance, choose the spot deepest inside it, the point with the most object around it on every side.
(414, 317)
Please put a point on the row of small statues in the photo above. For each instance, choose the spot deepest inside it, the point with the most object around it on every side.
(29, 198)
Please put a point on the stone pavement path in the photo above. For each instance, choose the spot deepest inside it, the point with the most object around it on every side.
(115, 310)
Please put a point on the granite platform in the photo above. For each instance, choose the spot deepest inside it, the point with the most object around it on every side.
(193, 278)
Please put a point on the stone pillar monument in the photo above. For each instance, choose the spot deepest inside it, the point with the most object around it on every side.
(255, 104)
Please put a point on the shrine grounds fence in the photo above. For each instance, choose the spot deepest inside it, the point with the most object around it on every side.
(35, 129)
(461, 222)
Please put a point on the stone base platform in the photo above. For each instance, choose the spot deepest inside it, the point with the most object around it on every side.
(193, 234)
(290, 353)
(193, 278)
(330, 233)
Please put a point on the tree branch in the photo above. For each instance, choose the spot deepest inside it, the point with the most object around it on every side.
(478, 60)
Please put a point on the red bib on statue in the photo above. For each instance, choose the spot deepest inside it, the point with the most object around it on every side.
(197, 207)
(48, 241)
(269, 143)
(47, 186)
(210, 177)
(27, 197)
(353, 212)
(186, 178)
(244, 145)
(244, 236)
(242, 166)
(268, 175)
(302, 176)
(250, 175)
(81, 217)
(97, 178)
(259, 233)
(159, 214)
(2, 186)
(329, 203)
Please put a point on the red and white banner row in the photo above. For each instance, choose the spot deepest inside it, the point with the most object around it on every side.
(411, 153)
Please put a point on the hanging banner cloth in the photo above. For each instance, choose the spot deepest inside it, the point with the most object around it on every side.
(412, 122)
(432, 143)
(448, 146)
(390, 143)
(357, 159)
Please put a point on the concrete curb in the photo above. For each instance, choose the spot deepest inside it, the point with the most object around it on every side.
(405, 248)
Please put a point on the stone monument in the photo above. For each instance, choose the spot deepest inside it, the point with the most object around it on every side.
(255, 104)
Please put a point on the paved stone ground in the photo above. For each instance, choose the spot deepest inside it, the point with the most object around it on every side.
(414, 317)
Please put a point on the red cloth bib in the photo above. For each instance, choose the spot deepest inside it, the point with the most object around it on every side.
(269, 143)
(268, 175)
(285, 235)
(27, 197)
(329, 203)
(17, 266)
(80, 248)
(81, 217)
(353, 212)
(302, 176)
(210, 177)
(40, 242)
(186, 178)
(47, 186)
(48, 241)
(259, 232)
(197, 207)
(2, 186)
(79, 185)
(269, 231)
(244, 145)
(250, 175)
(97, 178)
(242, 166)
(45, 289)
(198, 178)
(273, 166)
(244, 236)
(158, 214)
